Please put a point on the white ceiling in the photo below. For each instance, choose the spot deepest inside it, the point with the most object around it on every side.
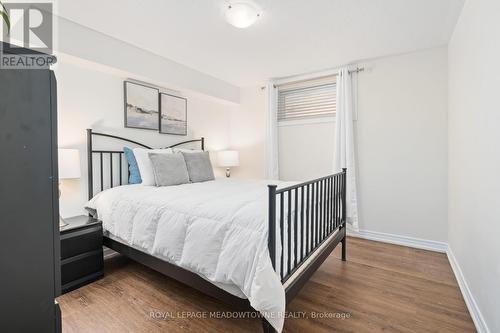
(292, 37)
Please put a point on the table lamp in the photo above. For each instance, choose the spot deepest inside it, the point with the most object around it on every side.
(69, 168)
(228, 159)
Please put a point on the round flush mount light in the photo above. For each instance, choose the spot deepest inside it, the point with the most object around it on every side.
(242, 14)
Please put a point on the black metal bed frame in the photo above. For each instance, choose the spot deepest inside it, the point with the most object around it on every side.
(313, 213)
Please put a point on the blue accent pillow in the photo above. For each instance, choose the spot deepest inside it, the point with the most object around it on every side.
(135, 175)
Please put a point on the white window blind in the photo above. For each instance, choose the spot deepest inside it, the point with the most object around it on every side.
(307, 99)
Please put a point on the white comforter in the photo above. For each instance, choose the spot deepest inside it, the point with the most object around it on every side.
(217, 229)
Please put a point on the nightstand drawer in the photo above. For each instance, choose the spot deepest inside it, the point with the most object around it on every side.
(81, 265)
(80, 241)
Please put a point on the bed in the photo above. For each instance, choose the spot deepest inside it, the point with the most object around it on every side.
(251, 244)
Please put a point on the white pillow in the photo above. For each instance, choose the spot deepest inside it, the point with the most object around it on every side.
(145, 165)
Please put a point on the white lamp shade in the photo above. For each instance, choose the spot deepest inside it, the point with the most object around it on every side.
(69, 163)
(228, 158)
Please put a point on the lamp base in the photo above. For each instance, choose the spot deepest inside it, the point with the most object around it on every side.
(62, 223)
(228, 172)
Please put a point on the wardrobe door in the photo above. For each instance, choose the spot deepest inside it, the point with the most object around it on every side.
(28, 201)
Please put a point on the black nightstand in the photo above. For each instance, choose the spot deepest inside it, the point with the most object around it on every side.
(81, 252)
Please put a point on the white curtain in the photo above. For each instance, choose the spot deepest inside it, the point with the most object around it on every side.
(272, 152)
(344, 144)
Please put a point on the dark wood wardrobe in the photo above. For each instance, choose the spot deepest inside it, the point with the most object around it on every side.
(29, 208)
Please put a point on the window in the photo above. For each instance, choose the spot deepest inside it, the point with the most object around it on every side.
(307, 99)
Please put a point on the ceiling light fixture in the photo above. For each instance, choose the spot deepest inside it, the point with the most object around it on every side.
(242, 14)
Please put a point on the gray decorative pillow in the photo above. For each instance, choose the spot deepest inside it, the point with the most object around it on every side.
(169, 169)
(199, 166)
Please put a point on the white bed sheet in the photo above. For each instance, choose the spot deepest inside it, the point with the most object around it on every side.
(217, 229)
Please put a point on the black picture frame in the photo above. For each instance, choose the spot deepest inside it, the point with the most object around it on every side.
(154, 118)
(173, 129)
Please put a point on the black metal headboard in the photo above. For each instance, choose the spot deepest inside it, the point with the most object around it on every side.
(110, 177)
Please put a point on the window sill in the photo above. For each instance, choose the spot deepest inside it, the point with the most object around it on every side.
(306, 121)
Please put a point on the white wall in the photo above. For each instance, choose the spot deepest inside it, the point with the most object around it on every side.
(474, 158)
(91, 96)
(248, 133)
(402, 145)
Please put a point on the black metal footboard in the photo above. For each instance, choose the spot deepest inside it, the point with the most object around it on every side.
(302, 218)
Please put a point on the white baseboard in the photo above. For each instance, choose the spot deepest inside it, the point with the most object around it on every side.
(418, 243)
(474, 311)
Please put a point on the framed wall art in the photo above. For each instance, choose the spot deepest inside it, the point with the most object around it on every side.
(173, 114)
(141, 106)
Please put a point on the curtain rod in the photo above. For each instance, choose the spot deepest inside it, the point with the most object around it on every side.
(357, 70)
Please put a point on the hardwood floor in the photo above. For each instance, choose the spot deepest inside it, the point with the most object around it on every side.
(381, 288)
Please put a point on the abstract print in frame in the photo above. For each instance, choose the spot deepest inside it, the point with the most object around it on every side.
(141, 106)
(173, 114)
